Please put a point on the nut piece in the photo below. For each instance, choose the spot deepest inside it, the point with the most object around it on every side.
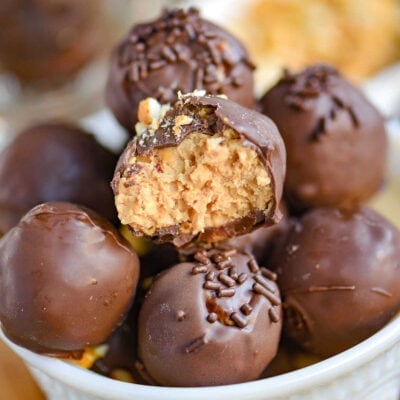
(149, 109)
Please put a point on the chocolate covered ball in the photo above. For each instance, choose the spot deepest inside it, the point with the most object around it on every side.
(211, 321)
(48, 39)
(335, 139)
(66, 279)
(203, 169)
(54, 162)
(339, 278)
(179, 51)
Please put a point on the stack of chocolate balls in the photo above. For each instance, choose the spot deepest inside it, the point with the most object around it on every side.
(239, 256)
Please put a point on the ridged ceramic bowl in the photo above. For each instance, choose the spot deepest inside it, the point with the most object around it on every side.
(368, 371)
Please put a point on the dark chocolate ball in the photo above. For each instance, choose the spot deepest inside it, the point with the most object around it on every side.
(179, 51)
(339, 278)
(48, 39)
(212, 321)
(54, 162)
(67, 279)
(335, 139)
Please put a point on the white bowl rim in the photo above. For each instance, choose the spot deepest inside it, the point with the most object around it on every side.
(282, 385)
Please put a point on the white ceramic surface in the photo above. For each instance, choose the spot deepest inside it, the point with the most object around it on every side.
(368, 371)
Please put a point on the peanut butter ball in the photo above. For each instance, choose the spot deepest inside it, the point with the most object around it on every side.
(339, 277)
(179, 51)
(335, 139)
(67, 278)
(211, 321)
(202, 169)
(54, 162)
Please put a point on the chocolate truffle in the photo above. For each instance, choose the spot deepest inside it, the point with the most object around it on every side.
(335, 139)
(48, 39)
(177, 52)
(204, 168)
(339, 278)
(54, 162)
(213, 321)
(66, 277)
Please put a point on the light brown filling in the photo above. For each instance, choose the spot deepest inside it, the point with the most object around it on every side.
(206, 181)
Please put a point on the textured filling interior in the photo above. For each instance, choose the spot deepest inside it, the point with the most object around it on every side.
(206, 181)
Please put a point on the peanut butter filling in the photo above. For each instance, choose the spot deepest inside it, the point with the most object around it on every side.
(205, 182)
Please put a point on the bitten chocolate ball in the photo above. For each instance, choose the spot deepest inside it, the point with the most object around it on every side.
(177, 52)
(339, 278)
(335, 139)
(66, 277)
(204, 168)
(54, 162)
(212, 321)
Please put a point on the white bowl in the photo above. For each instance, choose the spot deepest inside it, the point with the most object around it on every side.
(368, 371)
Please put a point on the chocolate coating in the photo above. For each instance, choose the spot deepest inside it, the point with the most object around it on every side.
(339, 278)
(256, 131)
(67, 278)
(335, 139)
(196, 329)
(48, 39)
(179, 51)
(260, 242)
(54, 162)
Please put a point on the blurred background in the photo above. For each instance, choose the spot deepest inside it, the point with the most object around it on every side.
(54, 53)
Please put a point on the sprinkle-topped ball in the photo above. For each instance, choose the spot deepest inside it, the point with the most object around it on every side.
(204, 168)
(212, 321)
(54, 162)
(339, 278)
(335, 139)
(177, 52)
(67, 279)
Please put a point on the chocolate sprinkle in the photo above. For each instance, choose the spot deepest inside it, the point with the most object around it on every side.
(239, 320)
(199, 269)
(202, 258)
(241, 278)
(252, 264)
(273, 315)
(226, 292)
(313, 289)
(211, 285)
(196, 344)
(381, 291)
(272, 276)
(265, 282)
(275, 300)
(211, 276)
(226, 280)
(233, 273)
(246, 309)
(224, 264)
(212, 317)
